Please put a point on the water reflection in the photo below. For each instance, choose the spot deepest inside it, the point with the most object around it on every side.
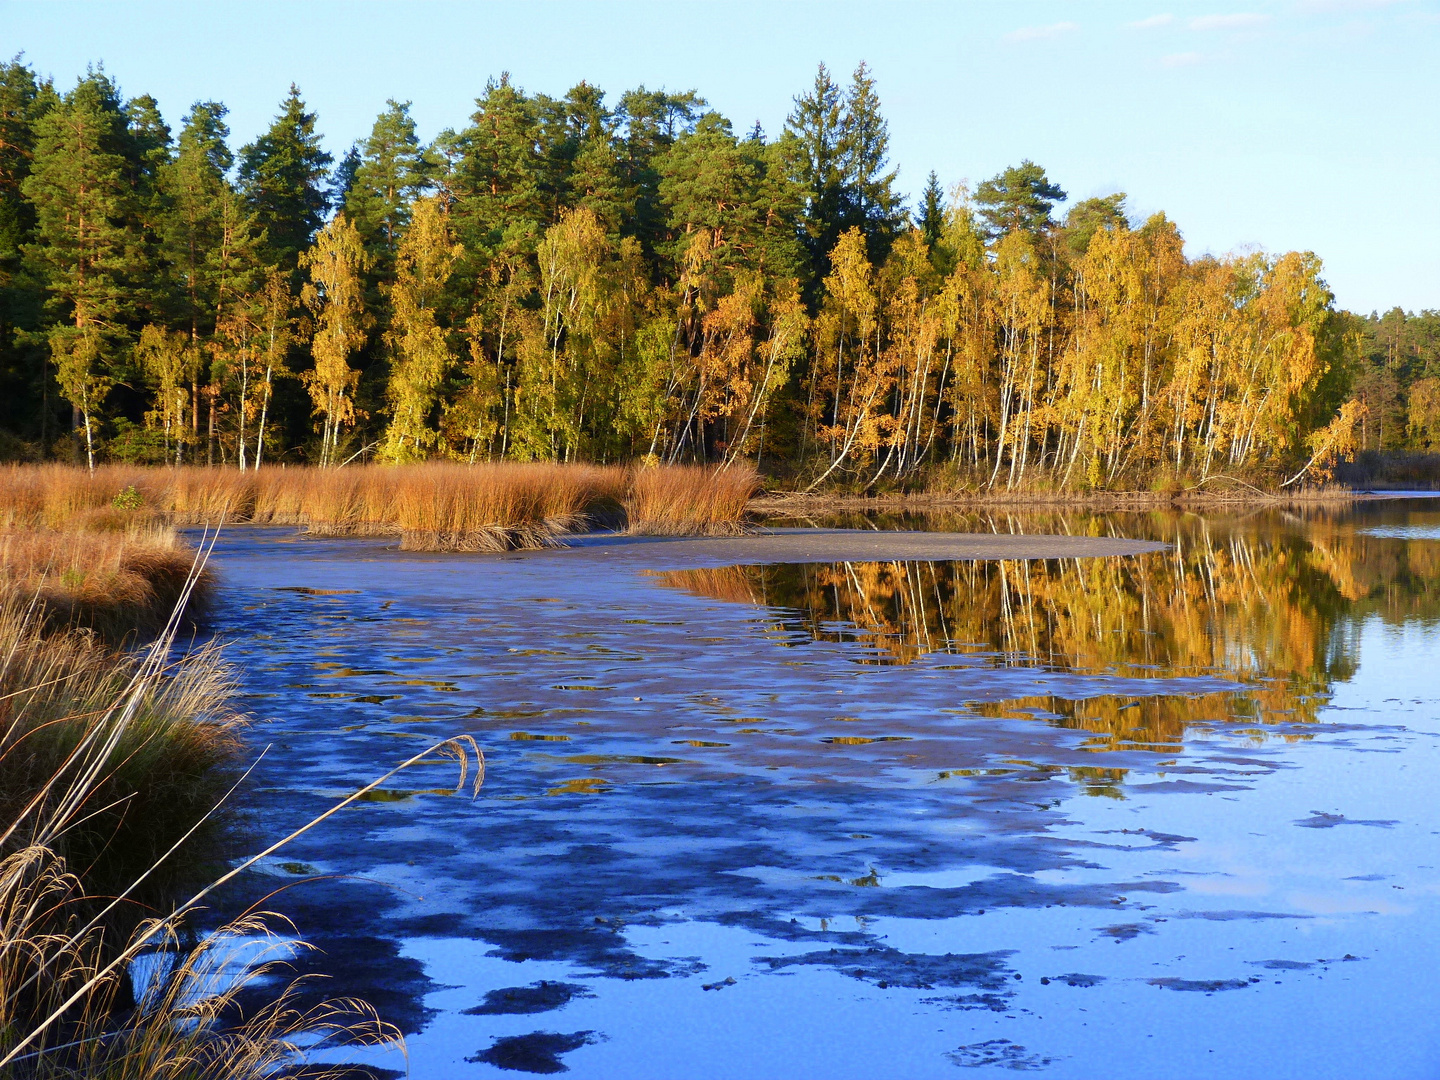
(1273, 599)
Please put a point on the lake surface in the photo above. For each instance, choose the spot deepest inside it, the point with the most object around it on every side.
(1169, 814)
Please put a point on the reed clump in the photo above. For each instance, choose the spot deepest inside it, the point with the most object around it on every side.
(166, 764)
(110, 581)
(437, 506)
(112, 767)
(690, 500)
(500, 507)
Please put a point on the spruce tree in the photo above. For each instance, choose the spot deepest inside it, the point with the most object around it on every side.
(932, 210)
(844, 145)
(86, 243)
(282, 174)
(24, 404)
(816, 125)
(194, 186)
(869, 200)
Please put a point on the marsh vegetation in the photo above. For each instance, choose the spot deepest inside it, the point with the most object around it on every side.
(431, 507)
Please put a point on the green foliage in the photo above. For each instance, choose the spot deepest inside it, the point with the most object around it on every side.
(282, 175)
(843, 143)
(578, 277)
(129, 499)
(390, 172)
(1020, 198)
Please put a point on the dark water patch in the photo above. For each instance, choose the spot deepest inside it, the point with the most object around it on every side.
(885, 967)
(1163, 840)
(999, 1053)
(1282, 965)
(599, 951)
(1202, 986)
(538, 1052)
(1239, 916)
(538, 997)
(997, 1003)
(1126, 931)
(1074, 978)
(1318, 819)
(1184, 787)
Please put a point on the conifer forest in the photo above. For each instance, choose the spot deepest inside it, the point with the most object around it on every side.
(613, 279)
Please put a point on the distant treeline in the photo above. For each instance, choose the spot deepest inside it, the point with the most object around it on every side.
(566, 279)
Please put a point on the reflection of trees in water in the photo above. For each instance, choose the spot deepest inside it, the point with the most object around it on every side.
(1272, 598)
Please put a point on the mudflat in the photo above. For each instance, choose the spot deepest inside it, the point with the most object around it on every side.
(859, 545)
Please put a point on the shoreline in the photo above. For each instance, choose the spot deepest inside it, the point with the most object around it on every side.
(784, 503)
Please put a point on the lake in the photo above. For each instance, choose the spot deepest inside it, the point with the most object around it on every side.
(1163, 814)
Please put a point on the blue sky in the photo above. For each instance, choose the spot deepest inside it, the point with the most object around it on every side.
(1305, 124)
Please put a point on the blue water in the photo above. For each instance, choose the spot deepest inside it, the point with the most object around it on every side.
(1121, 855)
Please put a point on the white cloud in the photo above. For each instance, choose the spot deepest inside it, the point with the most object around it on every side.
(1238, 21)
(1152, 22)
(1320, 6)
(1179, 60)
(1042, 33)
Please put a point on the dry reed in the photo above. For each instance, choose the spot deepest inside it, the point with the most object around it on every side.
(690, 500)
(102, 751)
(432, 507)
(115, 583)
(169, 761)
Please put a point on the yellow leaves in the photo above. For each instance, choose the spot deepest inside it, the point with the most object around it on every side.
(420, 353)
(1334, 441)
(335, 294)
(1424, 412)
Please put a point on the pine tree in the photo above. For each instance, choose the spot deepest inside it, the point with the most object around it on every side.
(652, 121)
(19, 95)
(282, 174)
(24, 404)
(1020, 198)
(390, 174)
(1089, 216)
(499, 180)
(86, 242)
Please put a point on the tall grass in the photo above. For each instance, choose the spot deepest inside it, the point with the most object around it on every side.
(109, 581)
(687, 500)
(124, 791)
(431, 507)
(112, 766)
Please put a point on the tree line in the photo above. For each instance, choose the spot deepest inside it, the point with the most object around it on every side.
(566, 279)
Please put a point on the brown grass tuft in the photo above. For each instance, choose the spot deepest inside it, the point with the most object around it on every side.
(690, 500)
(437, 506)
(115, 583)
